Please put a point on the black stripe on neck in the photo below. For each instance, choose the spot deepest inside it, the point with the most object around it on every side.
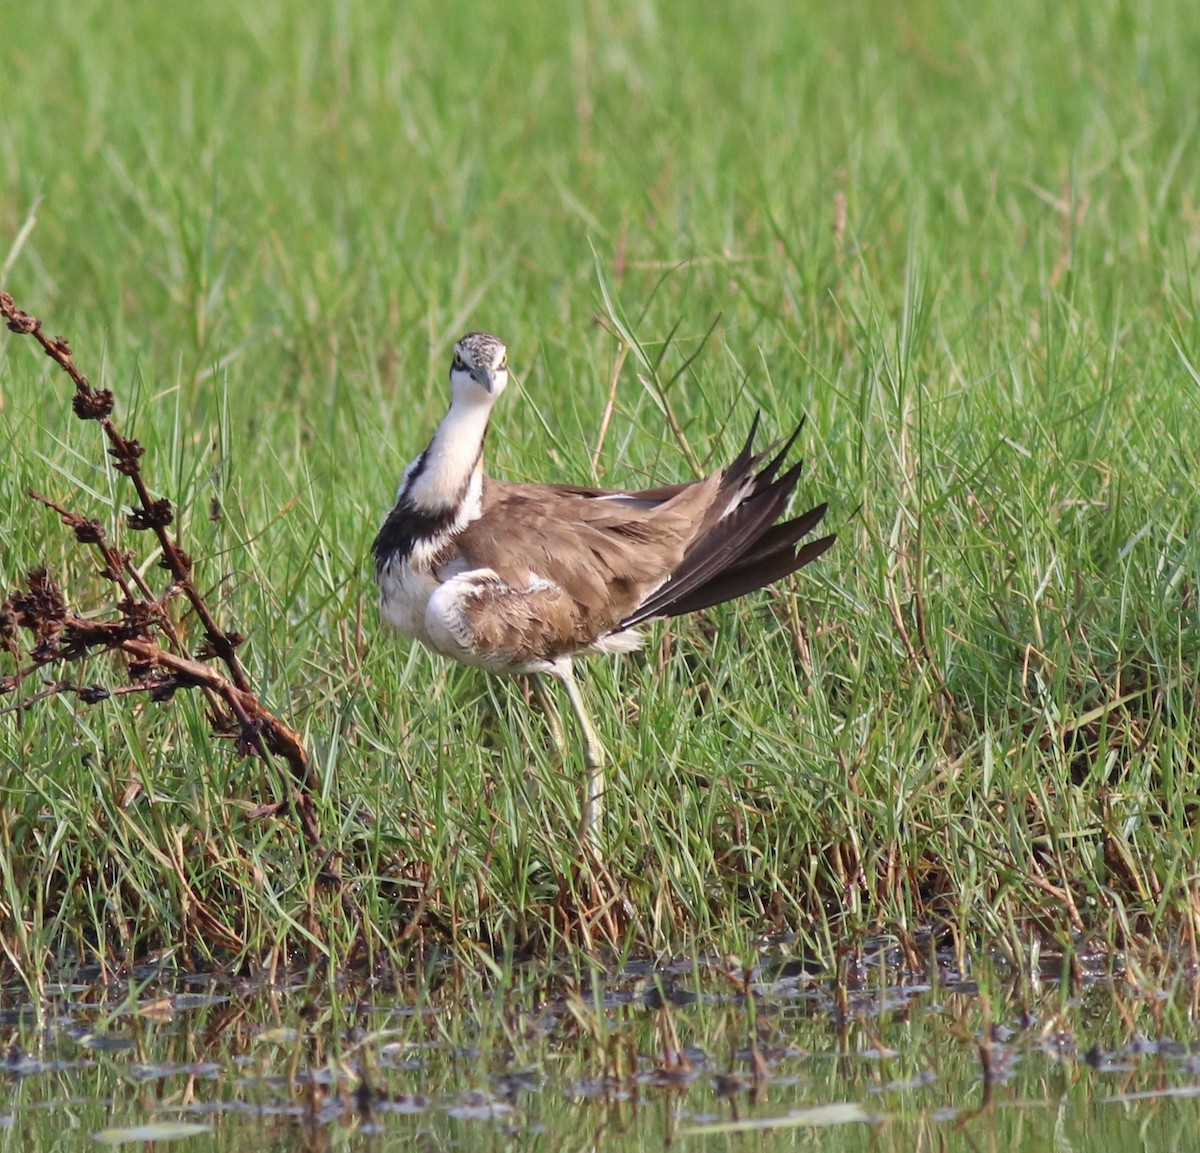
(406, 527)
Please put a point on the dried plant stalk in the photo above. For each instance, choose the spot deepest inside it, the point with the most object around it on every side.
(141, 627)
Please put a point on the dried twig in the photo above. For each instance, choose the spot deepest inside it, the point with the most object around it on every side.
(142, 620)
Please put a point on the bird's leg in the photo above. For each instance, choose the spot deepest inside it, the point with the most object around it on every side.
(546, 703)
(593, 757)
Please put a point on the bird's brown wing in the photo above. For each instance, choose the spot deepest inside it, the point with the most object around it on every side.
(592, 556)
(546, 571)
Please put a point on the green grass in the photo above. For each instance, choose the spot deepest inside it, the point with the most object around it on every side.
(965, 247)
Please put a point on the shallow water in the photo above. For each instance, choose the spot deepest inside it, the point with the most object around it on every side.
(690, 1053)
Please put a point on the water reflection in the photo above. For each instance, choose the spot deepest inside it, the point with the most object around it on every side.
(884, 1056)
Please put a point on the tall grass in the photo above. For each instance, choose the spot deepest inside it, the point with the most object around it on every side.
(965, 247)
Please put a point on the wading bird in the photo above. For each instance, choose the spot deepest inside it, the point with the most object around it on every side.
(523, 578)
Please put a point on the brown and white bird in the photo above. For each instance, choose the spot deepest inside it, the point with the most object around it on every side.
(522, 578)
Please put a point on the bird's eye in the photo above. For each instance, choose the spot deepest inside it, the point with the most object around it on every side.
(504, 361)
(458, 361)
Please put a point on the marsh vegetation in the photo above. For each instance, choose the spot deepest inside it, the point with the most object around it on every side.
(964, 245)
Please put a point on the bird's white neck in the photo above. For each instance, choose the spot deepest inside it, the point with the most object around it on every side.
(441, 476)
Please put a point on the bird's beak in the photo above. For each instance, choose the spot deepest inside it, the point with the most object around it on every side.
(487, 378)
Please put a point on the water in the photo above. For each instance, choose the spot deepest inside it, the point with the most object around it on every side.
(699, 1054)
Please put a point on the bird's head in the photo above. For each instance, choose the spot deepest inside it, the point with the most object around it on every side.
(479, 371)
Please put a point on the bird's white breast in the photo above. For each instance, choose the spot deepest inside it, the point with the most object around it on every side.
(404, 594)
(407, 583)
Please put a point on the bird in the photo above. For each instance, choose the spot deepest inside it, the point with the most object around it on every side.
(523, 578)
